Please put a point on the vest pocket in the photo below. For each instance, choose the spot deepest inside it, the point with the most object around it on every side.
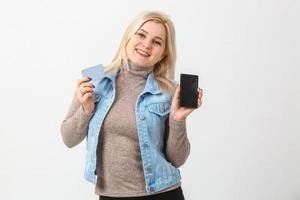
(160, 109)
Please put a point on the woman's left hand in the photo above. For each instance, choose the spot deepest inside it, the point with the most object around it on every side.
(180, 113)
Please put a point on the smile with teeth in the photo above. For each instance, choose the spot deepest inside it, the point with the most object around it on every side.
(143, 53)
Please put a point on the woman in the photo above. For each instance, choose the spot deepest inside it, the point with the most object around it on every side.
(135, 128)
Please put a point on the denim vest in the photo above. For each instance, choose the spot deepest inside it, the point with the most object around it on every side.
(151, 110)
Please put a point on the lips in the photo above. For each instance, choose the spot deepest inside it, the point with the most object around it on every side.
(142, 53)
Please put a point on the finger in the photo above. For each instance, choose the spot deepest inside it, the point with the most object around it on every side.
(186, 110)
(87, 95)
(86, 89)
(177, 92)
(199, 103)
(200, 93)
(86, 84)
(200, 90)
(82, 80)
(175, 100)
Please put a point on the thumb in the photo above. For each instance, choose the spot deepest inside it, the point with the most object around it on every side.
(176, 98)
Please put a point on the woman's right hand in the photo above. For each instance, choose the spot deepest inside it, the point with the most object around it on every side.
(85, 94)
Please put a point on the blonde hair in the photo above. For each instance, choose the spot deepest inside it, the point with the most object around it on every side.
(164, 70)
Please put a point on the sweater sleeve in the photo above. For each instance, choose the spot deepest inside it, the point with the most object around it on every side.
(177, 144)
(74, 127)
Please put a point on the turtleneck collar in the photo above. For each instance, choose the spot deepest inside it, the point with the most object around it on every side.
(138, 71)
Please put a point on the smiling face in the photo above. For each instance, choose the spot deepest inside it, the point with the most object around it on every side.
(146, 47)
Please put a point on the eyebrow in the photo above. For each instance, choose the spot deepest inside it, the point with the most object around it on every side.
(155, 36)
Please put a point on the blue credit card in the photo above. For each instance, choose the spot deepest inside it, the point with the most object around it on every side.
(96, 73)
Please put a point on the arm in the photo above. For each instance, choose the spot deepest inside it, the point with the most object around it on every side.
(177, 147)
(75, 125)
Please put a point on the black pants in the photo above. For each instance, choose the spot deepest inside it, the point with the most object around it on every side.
(176, 194)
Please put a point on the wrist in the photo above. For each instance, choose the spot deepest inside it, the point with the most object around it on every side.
(176, 118)
(87, 111)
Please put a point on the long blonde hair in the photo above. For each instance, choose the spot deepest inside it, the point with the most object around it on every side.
(164, 70)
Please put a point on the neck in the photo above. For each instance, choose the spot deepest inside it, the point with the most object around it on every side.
(138, 67)
(138, 70)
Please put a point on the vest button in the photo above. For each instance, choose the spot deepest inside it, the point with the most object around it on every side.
(149, 170)
(142, 117)
(151, 189)
(161, 109)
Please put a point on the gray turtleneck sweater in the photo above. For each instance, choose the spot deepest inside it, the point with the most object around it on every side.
(119, 166)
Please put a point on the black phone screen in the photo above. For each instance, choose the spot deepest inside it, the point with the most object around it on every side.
(188, 90)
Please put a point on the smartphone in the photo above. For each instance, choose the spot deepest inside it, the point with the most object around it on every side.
(188, 90)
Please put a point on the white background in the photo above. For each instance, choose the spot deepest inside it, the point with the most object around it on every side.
(245, 138)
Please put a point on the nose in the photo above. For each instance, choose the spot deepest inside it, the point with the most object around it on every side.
(147, 44)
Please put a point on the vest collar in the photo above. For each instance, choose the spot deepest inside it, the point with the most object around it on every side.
(151, 85)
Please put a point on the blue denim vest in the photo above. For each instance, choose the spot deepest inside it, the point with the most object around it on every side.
(152, 108)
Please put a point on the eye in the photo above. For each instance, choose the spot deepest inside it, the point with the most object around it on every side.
(142, 35)
(157, 43)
